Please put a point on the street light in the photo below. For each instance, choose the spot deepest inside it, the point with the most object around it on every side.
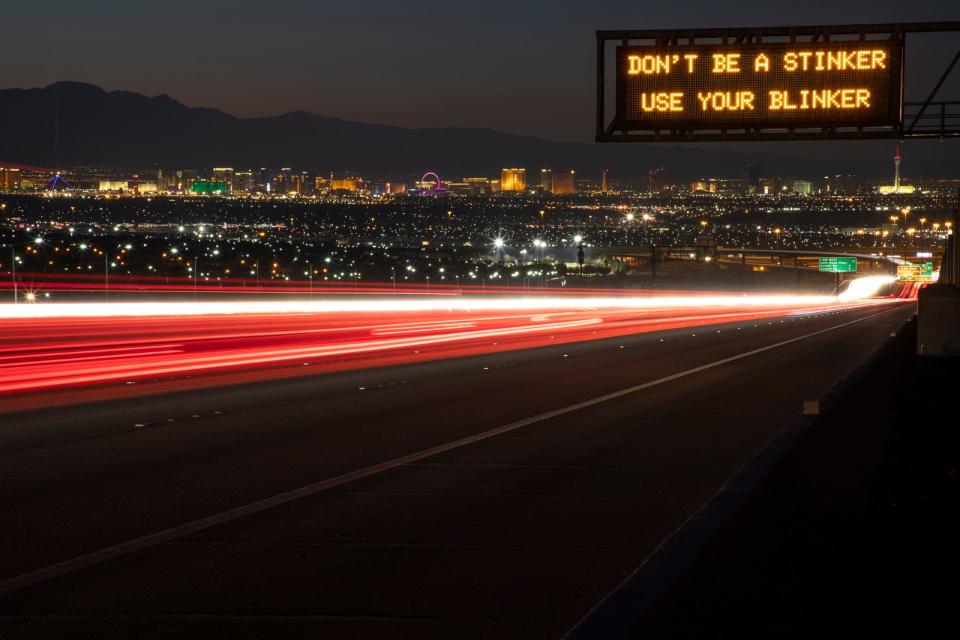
(906, 212)
(579, 240)
(13, 268)
(498, 245)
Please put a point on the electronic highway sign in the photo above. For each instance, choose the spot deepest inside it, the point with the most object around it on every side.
(775, 85)
(922, 272)
(766, 83)
(833, 264)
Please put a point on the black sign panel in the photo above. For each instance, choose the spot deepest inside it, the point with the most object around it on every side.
(759, 86)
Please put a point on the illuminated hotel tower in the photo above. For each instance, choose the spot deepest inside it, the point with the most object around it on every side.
(513, 179)
(546, 180)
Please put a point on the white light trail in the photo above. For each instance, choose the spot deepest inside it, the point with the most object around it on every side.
(858, 290)
(865, 287)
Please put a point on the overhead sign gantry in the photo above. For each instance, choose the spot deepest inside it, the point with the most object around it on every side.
(824, 82)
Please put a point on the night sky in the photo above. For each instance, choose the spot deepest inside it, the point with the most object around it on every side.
(523, 67)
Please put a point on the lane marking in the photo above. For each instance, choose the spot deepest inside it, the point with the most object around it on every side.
(138, 544)
(635, 593)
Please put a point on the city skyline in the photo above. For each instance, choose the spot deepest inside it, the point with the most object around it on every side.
(380, 62)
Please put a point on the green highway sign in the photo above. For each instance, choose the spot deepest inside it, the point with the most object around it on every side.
(833, 264)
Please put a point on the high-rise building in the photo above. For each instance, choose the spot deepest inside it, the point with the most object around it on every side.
(842, 185)
(897, 186)
(563, 183)
(113, 185)
(513, 179)
(294, 182)
(207, 187)
(243, 181)
(344, 184)
(604, 180)
(752, 177)
(10, 179)
(803, 187)
(546, 180)
(477, 186)
(283, 181)
(265, 181)
(656, 180)
(224, 175)
(896, 171)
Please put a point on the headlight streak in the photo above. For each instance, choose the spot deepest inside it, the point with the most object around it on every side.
(130, 309)
(865, 287)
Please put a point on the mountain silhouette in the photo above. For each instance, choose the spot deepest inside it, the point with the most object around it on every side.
(69, 124)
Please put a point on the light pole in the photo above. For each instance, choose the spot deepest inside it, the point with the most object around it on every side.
(579, 240)
(905, 211)
(538, 253)
(893, 221)
(922, 221)
(13, 268)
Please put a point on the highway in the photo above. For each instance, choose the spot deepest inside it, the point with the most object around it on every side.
(472, 494)
(66, 346)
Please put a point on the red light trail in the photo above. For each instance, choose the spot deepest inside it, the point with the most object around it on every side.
(47, 347)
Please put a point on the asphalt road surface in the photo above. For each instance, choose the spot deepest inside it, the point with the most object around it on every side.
(499, 495)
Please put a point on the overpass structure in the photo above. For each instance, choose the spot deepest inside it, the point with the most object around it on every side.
(746, 257)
